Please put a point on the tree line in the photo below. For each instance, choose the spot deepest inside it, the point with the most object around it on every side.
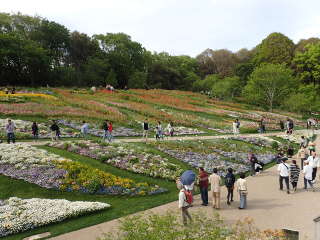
(276, 73)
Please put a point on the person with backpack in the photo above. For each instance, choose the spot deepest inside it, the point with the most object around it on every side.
(203, 185)
(242, 190)
(214, 180)
(185, 200)
(283, 169)
(252, 160)
(230, 180)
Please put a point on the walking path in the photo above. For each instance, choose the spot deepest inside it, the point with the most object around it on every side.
(267, 206)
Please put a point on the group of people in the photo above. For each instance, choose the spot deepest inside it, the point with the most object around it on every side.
(12, 91)
(160, 132)
(203, 181)
(107, 128)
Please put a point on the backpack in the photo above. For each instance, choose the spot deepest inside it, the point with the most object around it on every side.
(229, 181)
(238, 124)
(189, 197)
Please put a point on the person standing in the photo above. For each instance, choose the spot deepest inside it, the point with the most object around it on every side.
(242, 190)
(35, 130)
(214, 180)
(55, 134)
(145, 126)
(311, 147)
(283, 169)
(294, 174)
(203, 185)
(307, 171)
(159, 131)
(84, 129)
(10, 127)
(105, 129)
(302, 154)
(230, 180)
(281, 123)
(313, 161)
(184, 205)
(262, 126)
(170, 129)
(303, 142)
(235, 127)
(252, 160)
(110, 129)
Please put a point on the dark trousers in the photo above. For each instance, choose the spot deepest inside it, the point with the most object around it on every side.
(286, 179)
(11, 137)
(302, 162)
(230, 194)
(253, 170)
(306, 181)
(314, 173)
(294, 184)
(204, 195)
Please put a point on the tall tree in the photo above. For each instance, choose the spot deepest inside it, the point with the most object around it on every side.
(269, 85)
(303, 43)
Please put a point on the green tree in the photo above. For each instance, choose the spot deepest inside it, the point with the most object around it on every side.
(137, 80)
(269, 85)
(96, 72)
(227, 88)
(206, 84)
(112, 79)
(276, 48)
(308, 64)
(303, 43)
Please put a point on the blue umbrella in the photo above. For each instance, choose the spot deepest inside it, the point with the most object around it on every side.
(188, 177)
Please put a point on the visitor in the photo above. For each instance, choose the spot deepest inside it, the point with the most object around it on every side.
(159, 131)
(235, 127)
(184, 205)
(145, 126)
(307, 171)
(170, 129)
(281, 123)
(313, 161)
(289, 126)
(303, 142)
(311, 147)
(283, 169)
(242, 190)
(290, 151)
(109, 133)
(214, 180)
(10, 128)
(302, 155)
(105, 129)
(252, 160)
(203, 185)
(262, 126)
(35, 130)
(258, 166)
(6, 91)
(294, 174)
(55, 131)
(84, 129)
(13, 90)
(230, 180)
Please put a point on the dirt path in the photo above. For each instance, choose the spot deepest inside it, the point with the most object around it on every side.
(269, 207)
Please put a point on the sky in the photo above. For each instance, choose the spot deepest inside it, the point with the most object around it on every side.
(181, 27)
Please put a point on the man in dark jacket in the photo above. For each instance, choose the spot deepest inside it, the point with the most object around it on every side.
(252, 160)
(203, 185)
(230, 179)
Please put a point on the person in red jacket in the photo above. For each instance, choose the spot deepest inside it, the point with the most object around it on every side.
(203, 185)
(109, 134)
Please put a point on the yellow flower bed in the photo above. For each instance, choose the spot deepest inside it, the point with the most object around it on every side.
(46, 96)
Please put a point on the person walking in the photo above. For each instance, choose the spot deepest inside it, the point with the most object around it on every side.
(159, 131)
(302, 155)
(307, 171)
(230, 180)
(283, 169)
(294, 174)
(214, 180)
(311, 147)
(252, 160)
(313, 161)
(262, 126)
(55, 131)
(184, 196)
(242, 189)
(170, 129)
(203, 185)
(235, 128)
(84, 129)
(105, 129)
(145, 126)
(10, 128)
(109, 133)
(281, 123)
(35, 130)
(303, 142)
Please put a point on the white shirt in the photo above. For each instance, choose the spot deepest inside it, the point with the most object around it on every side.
(241, 185)
(283, 169)
(307, 171)
(313, 161)
(85, 128)
(182, 199)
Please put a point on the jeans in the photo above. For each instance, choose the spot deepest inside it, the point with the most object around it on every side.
(105, 134)
(314, 173)
(230, 194)
(204, 195)
(11, 137)
(306, 181)
(243, 200)
(185, 215)
(109, 136)
(286, 179)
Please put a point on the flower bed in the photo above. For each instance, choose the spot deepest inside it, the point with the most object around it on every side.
(125, 157)
(18, 215)
(21, 161)
(23, 129)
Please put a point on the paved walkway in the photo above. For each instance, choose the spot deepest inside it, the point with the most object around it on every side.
(269, 207)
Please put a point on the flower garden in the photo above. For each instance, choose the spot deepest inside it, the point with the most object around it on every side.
(69, 178)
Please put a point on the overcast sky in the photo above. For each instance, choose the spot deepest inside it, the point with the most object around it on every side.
(181, 26)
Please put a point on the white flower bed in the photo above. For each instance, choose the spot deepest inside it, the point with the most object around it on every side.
(18, 215)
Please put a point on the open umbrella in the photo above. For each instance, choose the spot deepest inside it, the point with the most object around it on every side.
(188, 177)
